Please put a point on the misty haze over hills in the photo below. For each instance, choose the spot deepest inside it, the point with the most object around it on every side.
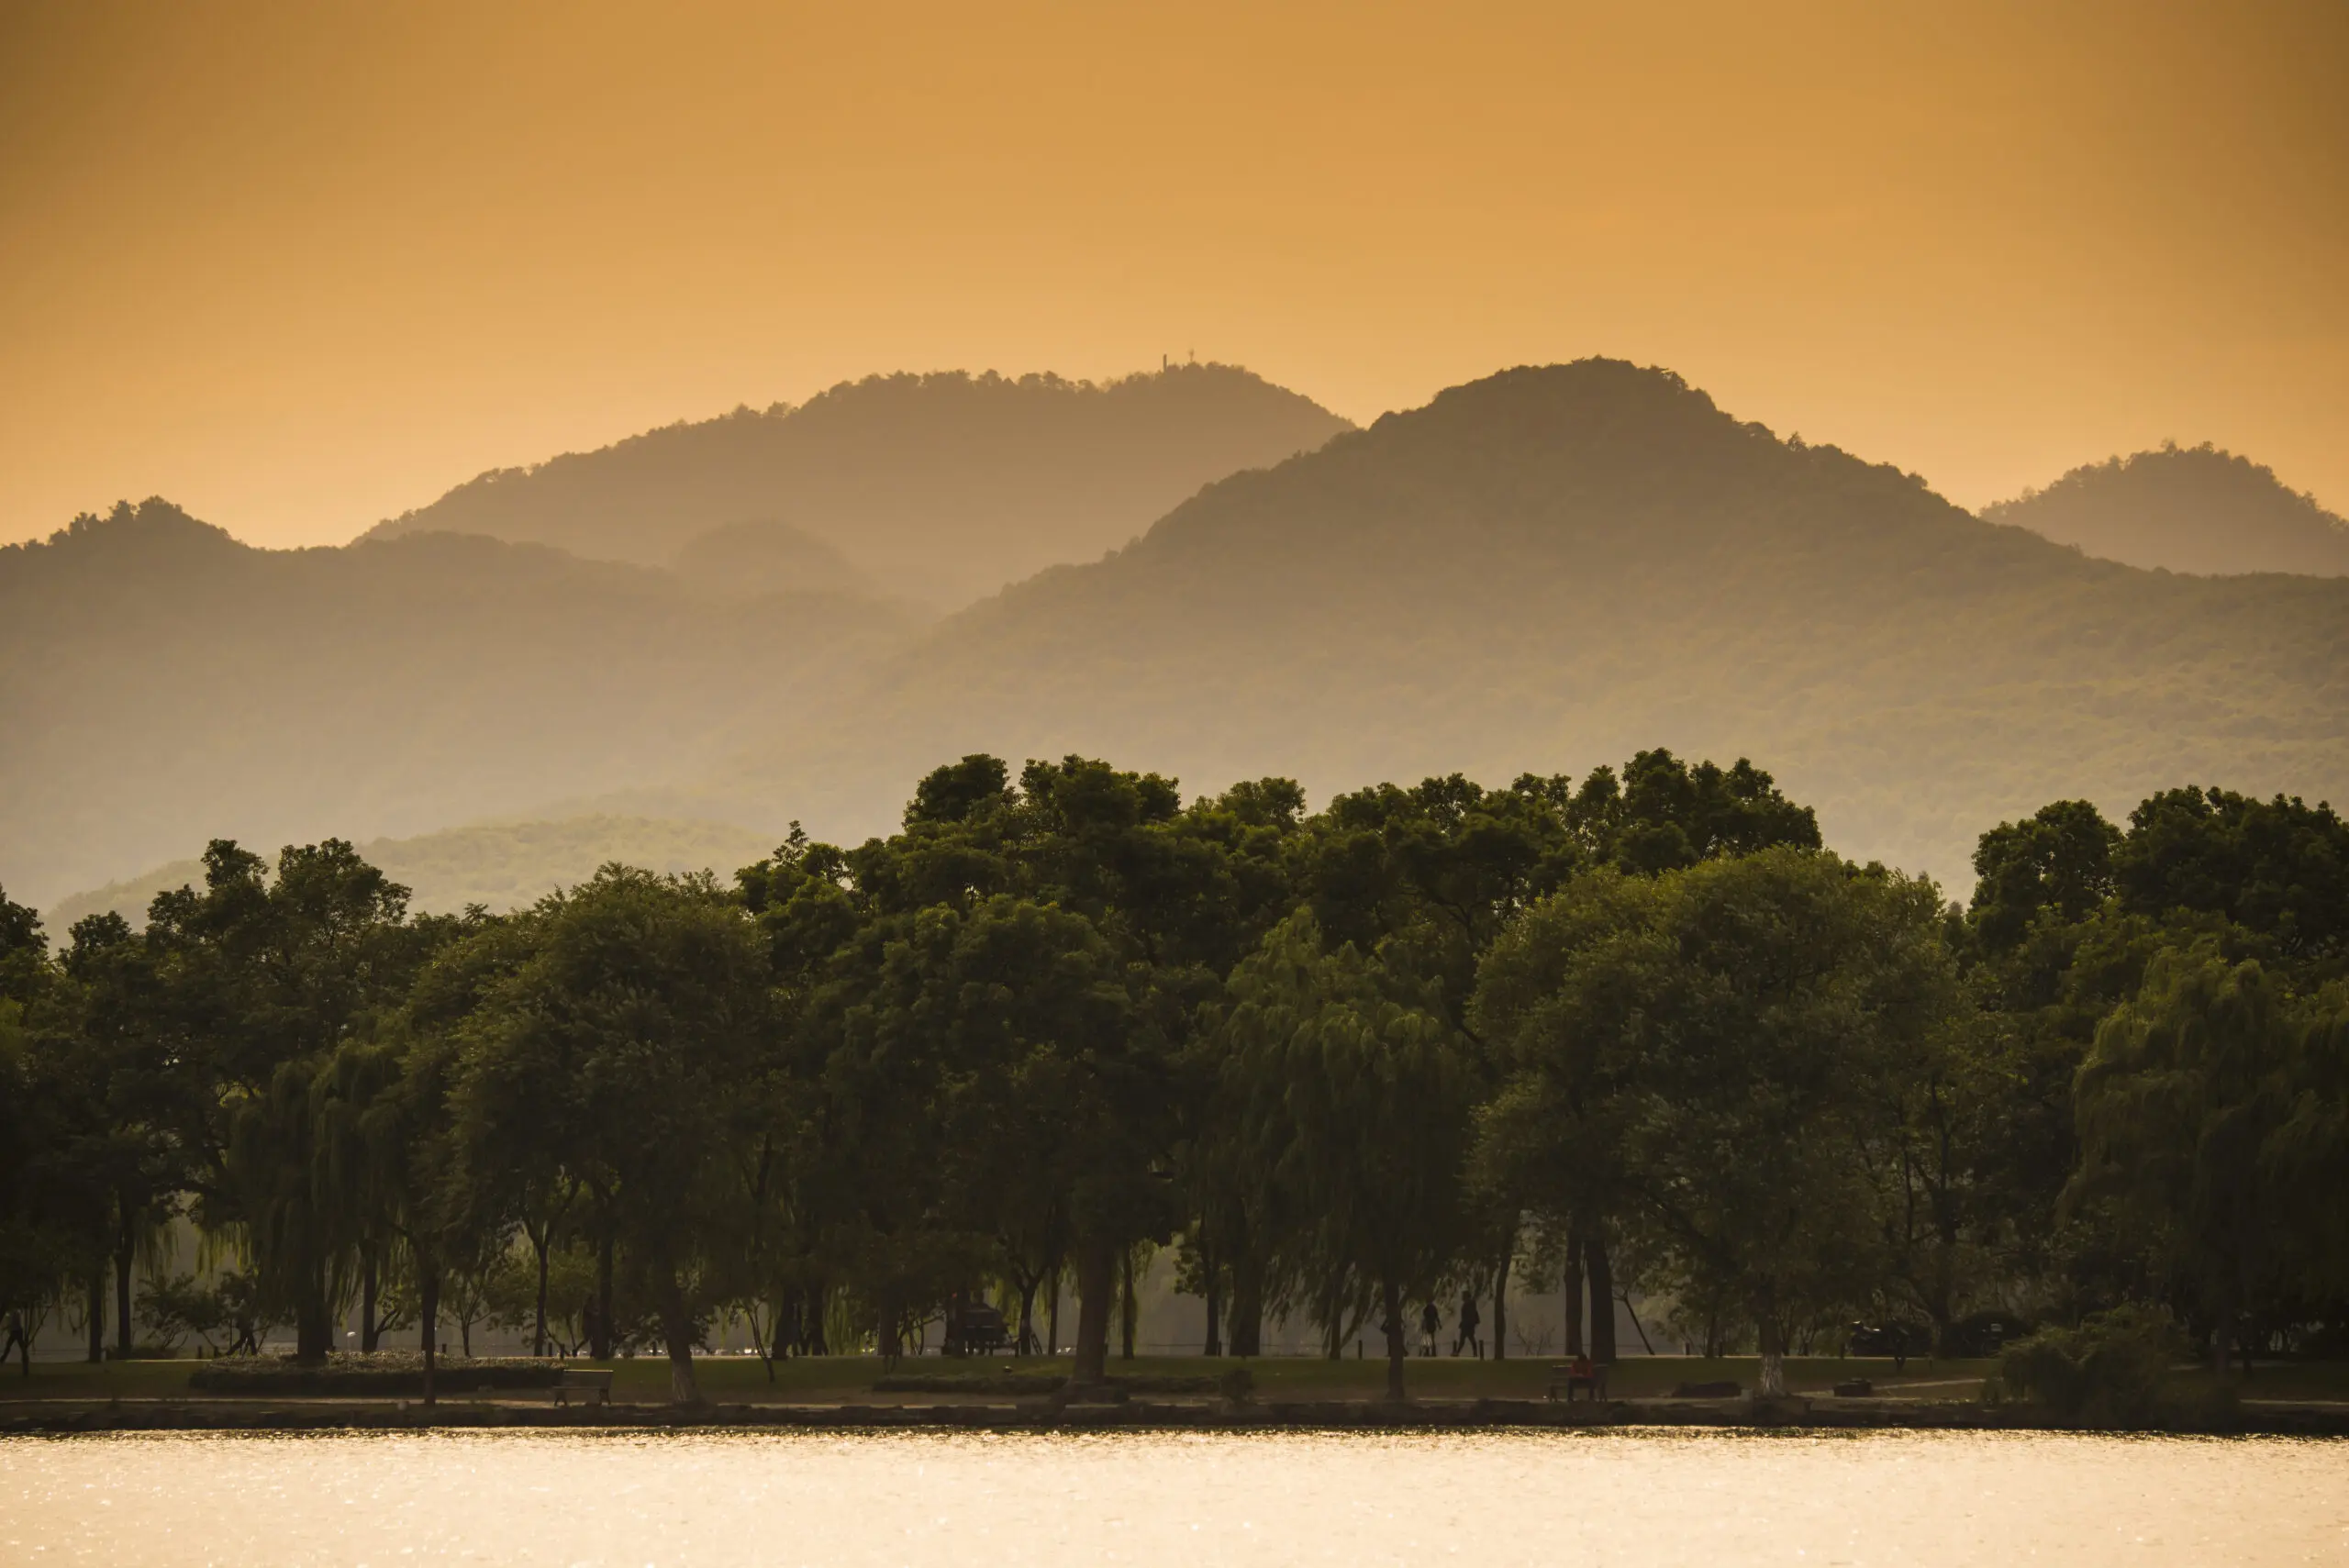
(1552, 568)
(941, 488)
(499, 865)
(2186, 509)
(1543, 570)
(161, 684)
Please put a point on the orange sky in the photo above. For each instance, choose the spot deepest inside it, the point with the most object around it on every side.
(301, 266)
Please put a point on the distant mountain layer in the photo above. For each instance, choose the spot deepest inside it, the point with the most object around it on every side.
(941, 488)
(161, 684)
(2186, 509)
(1543, 570)
(1554, 567)
(501, 865)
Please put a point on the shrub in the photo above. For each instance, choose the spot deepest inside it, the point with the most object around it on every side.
(2107, 1372)
(378, 1375)
(174, 1309)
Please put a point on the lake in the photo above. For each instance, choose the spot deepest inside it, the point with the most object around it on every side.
(1623, 1499)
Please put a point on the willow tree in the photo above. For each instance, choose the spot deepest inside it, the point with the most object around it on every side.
(1356, 1095)
(260, 980)
(2186, 1088)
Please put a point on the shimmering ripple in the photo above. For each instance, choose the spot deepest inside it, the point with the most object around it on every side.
(1624, 1500)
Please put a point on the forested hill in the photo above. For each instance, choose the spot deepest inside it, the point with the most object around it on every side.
(941, 487)
(2186, 509)
(161, 684)
(499, 865)
(1554, 567)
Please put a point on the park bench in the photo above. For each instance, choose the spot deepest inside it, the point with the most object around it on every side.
(587, 1380)
(1567, 1378)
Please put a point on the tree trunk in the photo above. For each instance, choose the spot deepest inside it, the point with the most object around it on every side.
(368, 1332)
(1500, 1297)
(887, 1334)
(677, 1328)
(1247, 1318)
(1939, 1307)
(98, 1313)
(1052, 1312)
(541, 1240)
(759, 1342)
(1773, 1356)
(1027, 1317)
(2222, 1335)
(1602, 1299)
(599, 1340)
(1391, 1300)
(125, 1245)
(1638, 1329)
(1214, 1277)
(1573, 1294)
(1097, 1266)
(313, 1319)
(427, 1317)
(1128, 1309)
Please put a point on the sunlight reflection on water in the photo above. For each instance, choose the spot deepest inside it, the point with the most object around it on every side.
(1625, 1500)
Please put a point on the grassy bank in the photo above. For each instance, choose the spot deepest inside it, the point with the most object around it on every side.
(741, 1380)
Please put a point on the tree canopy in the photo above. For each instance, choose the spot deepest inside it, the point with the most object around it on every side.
(1638, 1033)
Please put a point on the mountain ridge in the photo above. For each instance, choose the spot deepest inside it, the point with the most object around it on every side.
(163, 684)
(1556, 566)
(2190, 509)
(1552, 568)
(941, 486)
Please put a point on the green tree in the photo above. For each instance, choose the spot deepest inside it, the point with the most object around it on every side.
(2178, 1102)
(2068, 916)
(641, 1002)
(1356, 1094)
(46, 1219)
(262, 979)
(1173, 896)
(2276, 867)
(2307, 1159)
(2057, 863)
(1726, 1032)
(146, 1107)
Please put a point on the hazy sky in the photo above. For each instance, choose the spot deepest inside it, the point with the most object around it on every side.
(302, 266)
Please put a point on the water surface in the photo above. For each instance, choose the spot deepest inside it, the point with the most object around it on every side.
(1626, 1500)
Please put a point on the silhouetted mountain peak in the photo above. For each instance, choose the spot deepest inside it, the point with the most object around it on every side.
(1597, 455)
(155, 529)
(1558, 566)
(2195, 509)
(1578, 400)
(940, 487)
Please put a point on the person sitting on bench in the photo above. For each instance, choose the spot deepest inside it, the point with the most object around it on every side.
(1586, 1373)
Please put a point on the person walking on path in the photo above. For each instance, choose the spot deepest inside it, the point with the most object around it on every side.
(1430, 1324)
(1469, 1319)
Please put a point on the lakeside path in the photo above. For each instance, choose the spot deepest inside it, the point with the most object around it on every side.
(840, 1393)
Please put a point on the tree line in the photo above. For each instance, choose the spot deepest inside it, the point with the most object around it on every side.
(1638, 1032)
